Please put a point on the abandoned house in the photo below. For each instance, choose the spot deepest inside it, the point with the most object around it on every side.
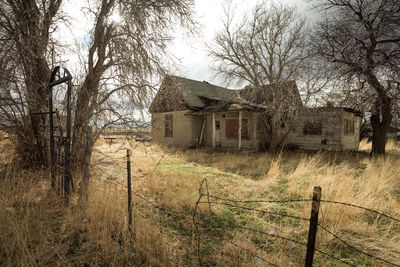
(189, 113)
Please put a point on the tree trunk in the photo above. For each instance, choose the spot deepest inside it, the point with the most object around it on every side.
(84, 185)
(33, 144)
(85, 105)
(39, 121)
(81, 121)
(381, 119)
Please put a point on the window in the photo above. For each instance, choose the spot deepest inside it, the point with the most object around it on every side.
(348, 127)
(169, 125)
(312, 127)
(232, 128)
(245, 129)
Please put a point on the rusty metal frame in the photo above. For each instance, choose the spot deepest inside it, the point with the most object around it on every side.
(56, 79)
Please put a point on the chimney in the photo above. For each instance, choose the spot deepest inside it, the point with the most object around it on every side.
(329, 104)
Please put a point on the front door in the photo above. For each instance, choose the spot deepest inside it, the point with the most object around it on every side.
(218, 133)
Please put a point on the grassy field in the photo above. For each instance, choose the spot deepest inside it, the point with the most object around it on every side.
(37, 229)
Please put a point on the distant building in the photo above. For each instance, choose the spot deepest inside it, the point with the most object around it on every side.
(189, 113)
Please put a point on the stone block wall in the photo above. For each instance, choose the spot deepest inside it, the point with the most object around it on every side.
(328, 139)
(332, 136)
(351, 141)
(186, 128)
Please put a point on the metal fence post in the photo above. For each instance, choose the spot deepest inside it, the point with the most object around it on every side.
(67, 149)
(128, 168)
(312, 232)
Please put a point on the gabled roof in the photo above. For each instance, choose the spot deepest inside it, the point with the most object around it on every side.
(283, 92)
(194, 90)
(197, 95)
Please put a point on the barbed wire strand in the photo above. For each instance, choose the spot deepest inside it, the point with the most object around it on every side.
(196, 229)
(305, 200)
(354, 248)
(262, 201)
(254, 209)
(252, 253)
(119, 164)
(291, 240)
(164, 210)
(360, 207)
(229, 241)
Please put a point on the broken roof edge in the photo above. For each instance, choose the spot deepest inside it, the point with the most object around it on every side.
(228, 107)
(347, 109)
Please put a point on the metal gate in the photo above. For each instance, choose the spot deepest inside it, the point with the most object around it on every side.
(60, 144)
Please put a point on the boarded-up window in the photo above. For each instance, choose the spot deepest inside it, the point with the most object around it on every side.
(245, 129)
(169, 125)
(348, 127)
(312, 127)
(232, 127)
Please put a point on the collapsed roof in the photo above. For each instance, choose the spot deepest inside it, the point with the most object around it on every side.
(177, 93)
(203, 96)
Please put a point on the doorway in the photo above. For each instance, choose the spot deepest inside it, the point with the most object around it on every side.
(218, 133)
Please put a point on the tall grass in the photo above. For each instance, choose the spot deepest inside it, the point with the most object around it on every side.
(347, 177)
(37, 228)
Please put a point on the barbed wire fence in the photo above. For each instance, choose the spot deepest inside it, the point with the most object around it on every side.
(201, 229)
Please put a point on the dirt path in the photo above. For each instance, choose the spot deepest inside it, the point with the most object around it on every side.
(109, 160)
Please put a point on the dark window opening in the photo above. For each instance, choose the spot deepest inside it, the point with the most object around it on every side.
(245, 129)
(217, 125)
(169, 125)
(312, 127)
(348, 127)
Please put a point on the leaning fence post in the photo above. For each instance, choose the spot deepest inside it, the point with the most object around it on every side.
(128, 168)
(312, 232)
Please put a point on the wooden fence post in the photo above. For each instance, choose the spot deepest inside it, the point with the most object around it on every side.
(128, 168)
(312, 232)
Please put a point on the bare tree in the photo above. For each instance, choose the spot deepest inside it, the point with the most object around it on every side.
(26, 28)
(125, 57)
(266, 47)
(362, 40)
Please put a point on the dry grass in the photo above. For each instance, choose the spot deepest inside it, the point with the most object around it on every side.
(391, 145)
(351, 178)
(37, 229)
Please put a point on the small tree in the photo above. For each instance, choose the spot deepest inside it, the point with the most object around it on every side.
(267, 47)
(362, 41)
(27, 46)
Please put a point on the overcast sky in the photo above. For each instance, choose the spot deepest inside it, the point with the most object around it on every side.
(194, 61)
(191, 53)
